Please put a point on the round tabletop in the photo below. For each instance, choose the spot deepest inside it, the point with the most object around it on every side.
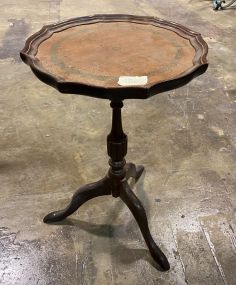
(116, 56)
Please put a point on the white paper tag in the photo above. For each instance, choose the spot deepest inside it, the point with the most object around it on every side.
(132, 80)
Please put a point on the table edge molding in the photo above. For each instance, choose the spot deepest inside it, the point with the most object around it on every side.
(200, 64)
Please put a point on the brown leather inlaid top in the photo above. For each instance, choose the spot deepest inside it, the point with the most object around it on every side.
(98, 54)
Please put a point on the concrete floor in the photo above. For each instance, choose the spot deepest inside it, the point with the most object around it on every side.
(51, 143)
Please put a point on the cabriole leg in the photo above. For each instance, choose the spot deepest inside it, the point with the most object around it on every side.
(139, 213)
(82, 195)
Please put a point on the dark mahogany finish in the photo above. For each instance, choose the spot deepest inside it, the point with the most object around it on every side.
(115, 183)
(199, 66)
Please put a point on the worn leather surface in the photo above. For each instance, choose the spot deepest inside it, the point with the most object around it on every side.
(99, 53)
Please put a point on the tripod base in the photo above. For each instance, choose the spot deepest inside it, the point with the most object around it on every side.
(105, 187)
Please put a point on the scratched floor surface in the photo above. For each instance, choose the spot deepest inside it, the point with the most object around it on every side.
(51, 143)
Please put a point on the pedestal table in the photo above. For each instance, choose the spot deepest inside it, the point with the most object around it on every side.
(116, 57)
